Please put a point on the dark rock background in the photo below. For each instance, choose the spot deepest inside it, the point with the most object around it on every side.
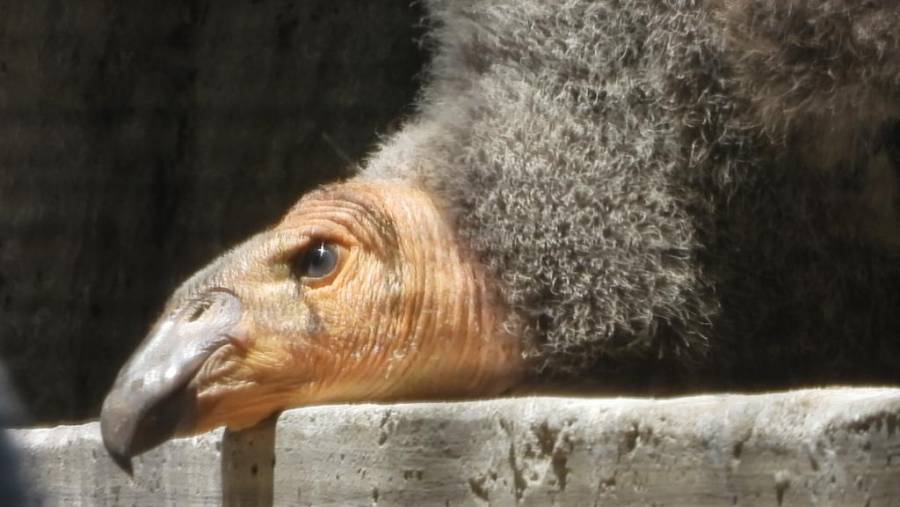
(138, 140)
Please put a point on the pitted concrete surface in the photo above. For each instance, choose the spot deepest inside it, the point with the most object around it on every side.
(67, 465)
(811, 447)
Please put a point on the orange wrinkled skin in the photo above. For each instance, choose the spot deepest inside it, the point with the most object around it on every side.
(406, 314)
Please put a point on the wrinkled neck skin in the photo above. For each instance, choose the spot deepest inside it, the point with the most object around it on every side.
(409, 315)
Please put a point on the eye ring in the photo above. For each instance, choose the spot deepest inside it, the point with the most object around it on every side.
(317, 262)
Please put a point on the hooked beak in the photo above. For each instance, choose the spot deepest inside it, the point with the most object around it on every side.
(151, 399)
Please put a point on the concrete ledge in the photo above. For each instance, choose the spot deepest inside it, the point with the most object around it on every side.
(825, 447)
(68, 465)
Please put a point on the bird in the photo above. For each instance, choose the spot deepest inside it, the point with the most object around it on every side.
(621, 195)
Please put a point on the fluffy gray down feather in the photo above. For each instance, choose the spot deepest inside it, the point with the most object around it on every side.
(674, 193)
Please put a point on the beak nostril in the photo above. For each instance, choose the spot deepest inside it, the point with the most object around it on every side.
(199, 310)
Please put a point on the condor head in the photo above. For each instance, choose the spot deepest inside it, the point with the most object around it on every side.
(361, 293)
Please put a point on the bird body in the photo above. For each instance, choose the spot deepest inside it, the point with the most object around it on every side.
(609, 193)
(689, 194)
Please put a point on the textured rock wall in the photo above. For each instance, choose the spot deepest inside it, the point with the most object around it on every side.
(812, 447)
(139, 141)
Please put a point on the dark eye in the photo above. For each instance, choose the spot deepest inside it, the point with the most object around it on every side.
(319, 261)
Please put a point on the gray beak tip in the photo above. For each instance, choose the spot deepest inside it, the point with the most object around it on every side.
(123, 462)
(117, 442)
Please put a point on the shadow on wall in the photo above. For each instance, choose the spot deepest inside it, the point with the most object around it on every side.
(136, 143)
(11, 487)
(11, 492)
